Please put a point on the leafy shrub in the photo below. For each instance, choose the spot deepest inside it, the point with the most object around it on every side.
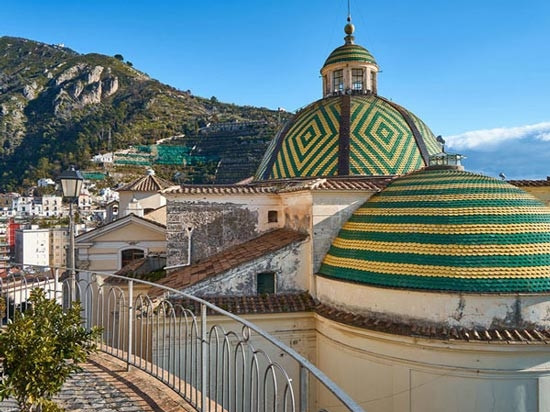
(41, 348)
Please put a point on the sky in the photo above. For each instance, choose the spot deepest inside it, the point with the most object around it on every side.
(477, 72)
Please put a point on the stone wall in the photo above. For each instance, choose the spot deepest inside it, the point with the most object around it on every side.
(216, 226)
(288, 264)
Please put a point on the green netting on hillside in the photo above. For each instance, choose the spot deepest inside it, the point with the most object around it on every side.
(161, 155)
(172, 155)
(132, 162)
(93, 175)
(143, 148)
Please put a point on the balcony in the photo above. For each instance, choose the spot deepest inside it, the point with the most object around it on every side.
(210, 358)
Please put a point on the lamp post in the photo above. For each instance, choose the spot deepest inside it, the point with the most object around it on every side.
(71, 183)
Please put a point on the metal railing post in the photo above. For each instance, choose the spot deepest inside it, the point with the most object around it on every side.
(56, 286)
(204, 358)
(304, 393)
(130, 325)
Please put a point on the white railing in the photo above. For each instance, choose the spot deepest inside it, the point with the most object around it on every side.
(215, 360)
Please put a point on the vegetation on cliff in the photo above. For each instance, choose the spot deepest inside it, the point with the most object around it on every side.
(59, 107)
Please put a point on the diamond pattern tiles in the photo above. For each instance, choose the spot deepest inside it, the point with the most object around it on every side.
(429, 138)
(310, 148)
(381, 141)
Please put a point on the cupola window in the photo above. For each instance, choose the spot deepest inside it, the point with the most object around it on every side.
(357, 79)
(373, 81)
(338, 80)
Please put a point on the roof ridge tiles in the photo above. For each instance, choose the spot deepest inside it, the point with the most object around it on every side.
(232, 257)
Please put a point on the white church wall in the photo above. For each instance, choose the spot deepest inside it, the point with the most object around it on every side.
(391, 373)
(451, 309)
(297, 210)
(147, 200)
(330, 211)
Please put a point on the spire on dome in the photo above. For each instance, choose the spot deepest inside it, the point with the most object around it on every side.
(349, 28)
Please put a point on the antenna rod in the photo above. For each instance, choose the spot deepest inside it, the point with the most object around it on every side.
(349, 11)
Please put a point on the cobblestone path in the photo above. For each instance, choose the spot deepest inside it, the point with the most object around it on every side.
(105, 385)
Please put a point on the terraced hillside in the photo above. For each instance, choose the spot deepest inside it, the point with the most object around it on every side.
(59, 107)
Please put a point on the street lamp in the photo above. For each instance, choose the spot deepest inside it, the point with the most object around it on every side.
(71, 183)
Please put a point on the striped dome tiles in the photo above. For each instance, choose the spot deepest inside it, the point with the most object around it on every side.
(446, 230)
(350, 53)
(358, 135)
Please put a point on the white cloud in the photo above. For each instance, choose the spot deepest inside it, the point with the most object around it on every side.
(494, 137)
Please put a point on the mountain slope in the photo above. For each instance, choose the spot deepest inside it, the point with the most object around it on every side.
(59, 107)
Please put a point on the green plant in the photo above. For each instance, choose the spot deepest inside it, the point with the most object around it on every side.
(41, 348)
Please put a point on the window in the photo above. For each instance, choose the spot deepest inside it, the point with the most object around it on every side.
(265, 283)
(129, 255)
(373, 81)
(272, 216)
(338, 80)
(357, 79)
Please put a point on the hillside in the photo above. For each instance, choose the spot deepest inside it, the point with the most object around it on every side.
(59, 107)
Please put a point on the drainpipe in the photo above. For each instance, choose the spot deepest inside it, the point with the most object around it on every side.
(189, 231)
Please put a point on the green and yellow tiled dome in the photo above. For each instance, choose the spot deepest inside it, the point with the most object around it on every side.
(360, 135)
(446, 230)
(350, 53)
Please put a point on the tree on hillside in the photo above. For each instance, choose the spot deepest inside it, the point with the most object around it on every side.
(119, 57)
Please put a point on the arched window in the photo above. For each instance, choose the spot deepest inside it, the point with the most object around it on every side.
(129, 255)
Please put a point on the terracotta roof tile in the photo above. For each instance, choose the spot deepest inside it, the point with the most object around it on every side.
(127, 271)
(149, 183)
(532, 183)
(239, 305)
(435, 331)
(375, 184)
(229, 258)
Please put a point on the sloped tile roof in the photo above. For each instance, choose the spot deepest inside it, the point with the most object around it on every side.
(149, 183)
(431, 331)
(530, 183)
(374, 184)
(127, 271)
(219, 189)
(241, 305)
(229, 258)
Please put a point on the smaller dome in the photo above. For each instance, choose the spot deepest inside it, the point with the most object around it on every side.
(350, 53)
(446, 230)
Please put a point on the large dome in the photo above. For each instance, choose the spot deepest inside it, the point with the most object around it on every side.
(365, 135)
(446, 230)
